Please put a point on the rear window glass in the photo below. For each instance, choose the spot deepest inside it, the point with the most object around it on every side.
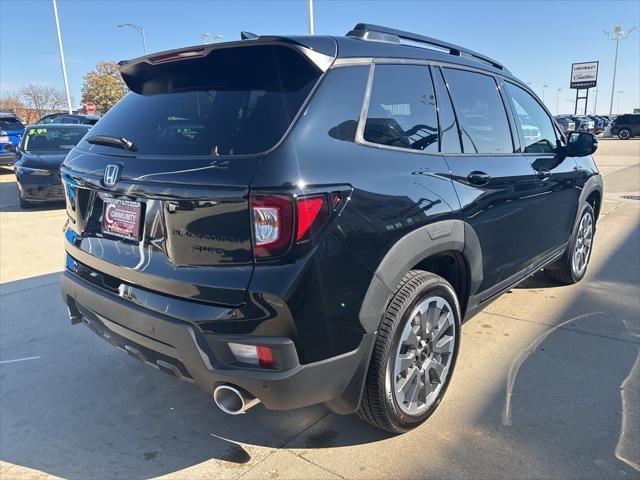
(52, 139)
(235, 101)
(8, 123)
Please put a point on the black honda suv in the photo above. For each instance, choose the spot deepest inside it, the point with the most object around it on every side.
(309, 219)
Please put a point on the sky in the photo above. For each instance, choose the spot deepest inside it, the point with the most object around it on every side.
(536, 40)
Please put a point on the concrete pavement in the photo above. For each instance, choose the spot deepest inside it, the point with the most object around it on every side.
(547, 384)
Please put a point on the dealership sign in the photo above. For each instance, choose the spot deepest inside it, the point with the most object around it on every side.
(584, 75)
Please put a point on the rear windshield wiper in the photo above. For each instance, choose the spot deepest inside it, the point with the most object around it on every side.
(109, 141)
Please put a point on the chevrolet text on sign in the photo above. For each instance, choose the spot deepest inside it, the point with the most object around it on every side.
(584, 75)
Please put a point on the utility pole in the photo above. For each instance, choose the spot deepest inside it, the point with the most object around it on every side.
(619, 34)
(310, 13)
(557, 100)
(140, 30)
(64, 67)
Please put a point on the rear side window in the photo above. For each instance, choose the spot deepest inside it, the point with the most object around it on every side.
(402, 108)
(535, 125)
(481, 114)
(10, 123)
(235, 101)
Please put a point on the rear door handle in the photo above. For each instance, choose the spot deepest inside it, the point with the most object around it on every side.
(544, 174)
(479, 178)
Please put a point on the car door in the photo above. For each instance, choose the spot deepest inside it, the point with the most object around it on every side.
(558, 176)
(496, 185)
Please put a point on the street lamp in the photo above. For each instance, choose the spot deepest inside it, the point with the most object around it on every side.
(558, 100)
(138, 29)
(543, 87)
(310, 15)
(618, 35)
(620, 92)
(206, 37)
(64, 67)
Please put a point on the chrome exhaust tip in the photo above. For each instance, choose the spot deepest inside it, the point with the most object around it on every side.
(233, 400)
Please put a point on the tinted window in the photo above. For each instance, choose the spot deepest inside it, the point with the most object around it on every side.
(52, 139)
(537, 128)
(10, 123)
(402, 108)
(449, 137)
(67, 120)
(481, 114)
(234, 101)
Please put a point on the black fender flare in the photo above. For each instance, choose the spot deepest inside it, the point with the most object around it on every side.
(593, 184)
(438, 237)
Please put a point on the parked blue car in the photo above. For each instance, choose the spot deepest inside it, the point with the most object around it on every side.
(11, 129)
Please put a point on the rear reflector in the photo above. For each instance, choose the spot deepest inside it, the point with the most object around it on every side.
(252, 354)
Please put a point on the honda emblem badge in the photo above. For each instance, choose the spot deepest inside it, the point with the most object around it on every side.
(111, 175)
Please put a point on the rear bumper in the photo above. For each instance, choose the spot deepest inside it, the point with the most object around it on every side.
(179, 348)
(40, 188)
(6, 159)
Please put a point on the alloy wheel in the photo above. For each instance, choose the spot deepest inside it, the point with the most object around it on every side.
(424, 355)
(582, 247)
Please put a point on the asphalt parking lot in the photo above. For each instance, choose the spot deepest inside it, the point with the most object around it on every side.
(547, 383)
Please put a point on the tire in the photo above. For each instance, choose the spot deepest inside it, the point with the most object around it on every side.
(624, 134)
(572, 267)
(389, 390)
(24, 204)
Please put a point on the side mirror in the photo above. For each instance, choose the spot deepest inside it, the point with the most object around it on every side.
(10, 147)
(581, 144)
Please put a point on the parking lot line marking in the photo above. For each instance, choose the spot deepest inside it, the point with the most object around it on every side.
(19, 360)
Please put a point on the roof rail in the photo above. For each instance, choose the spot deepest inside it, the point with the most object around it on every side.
(363, 31)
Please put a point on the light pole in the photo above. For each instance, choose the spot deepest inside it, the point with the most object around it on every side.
(595, 102)
(619, 34)
(557, 101)
(64, 67)
(310, 13)
(207, 36)
(543, 87)
(138, 29)
(620, 92)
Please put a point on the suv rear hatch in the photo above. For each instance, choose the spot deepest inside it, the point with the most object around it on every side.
(157, 192)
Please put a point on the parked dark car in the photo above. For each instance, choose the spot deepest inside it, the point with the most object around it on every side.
(626, 126)
(71, 119)
(568, 124)
(304, 220)
(598, 123)
(11, 129)
(583, 123)
(38, 158)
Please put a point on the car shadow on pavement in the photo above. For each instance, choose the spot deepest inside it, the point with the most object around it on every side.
(78, 408)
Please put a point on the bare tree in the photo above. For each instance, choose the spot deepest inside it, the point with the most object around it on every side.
(11, 103)
(43, 99)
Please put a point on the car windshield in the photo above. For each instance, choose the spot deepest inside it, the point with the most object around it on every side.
(52, 139)
(238, 101)
(9, 123)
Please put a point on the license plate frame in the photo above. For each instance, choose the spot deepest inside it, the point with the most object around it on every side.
(121, 218)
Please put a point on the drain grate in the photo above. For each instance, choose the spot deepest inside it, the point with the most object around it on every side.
(631, 197)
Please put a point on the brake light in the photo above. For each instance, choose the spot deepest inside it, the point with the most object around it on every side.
(272, 217)
(312, 214)
(4, 137)
(170, 57)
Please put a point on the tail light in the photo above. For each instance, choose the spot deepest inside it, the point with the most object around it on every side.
(277, 218)
(4, 137)
(252, 354)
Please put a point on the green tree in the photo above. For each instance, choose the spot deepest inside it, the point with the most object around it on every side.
(103, 86)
